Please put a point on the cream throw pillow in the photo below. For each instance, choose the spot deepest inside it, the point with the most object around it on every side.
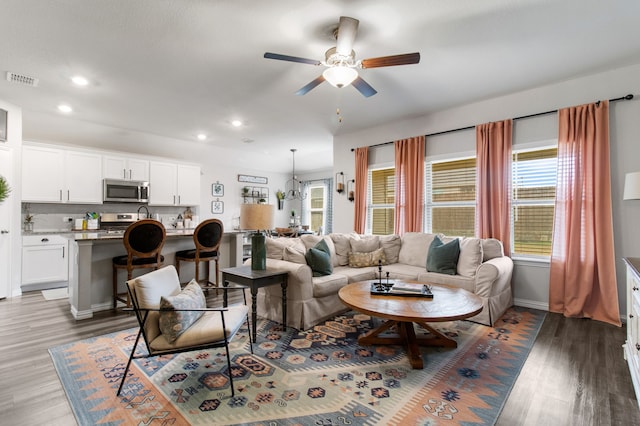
(361, 260)
(391, 244)
(415, 246)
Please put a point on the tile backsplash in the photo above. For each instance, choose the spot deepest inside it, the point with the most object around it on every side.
(54, 217)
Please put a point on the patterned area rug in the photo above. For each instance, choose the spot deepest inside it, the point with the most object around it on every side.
(314, 377)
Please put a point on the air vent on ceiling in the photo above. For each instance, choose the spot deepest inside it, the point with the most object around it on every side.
(22, 79)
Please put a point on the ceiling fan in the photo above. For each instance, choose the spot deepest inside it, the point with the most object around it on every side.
(341, 61)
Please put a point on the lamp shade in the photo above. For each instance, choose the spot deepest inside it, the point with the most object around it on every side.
(256, 217)
(631, 186)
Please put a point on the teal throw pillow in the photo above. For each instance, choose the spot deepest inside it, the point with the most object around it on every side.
(443, 258)
(318, 258)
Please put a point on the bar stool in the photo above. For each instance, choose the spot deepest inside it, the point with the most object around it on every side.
(206, 237)
(143, 241)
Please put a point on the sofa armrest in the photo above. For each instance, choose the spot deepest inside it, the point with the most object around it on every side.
(299, 280)
(493, 276)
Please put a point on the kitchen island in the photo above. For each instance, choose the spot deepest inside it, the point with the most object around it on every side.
(90, 289)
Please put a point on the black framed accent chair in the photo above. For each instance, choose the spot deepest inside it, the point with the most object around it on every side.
(206, 237)
(175, 320)
(143, 241)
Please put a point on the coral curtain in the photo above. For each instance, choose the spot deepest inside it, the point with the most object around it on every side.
(493, 181)
(582, 277)
(409, 188)
(362, 169)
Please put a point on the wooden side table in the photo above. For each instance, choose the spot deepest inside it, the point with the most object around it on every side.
(254, 280)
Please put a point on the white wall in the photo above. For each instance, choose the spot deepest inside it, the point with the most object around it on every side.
(530, 281)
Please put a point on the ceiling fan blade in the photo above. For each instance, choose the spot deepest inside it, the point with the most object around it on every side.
(310, 86)
(280, 57)
(389, 61)
(364, 87)
(347, 30)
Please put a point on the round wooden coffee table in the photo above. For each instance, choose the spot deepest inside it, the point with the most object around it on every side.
(448, 304)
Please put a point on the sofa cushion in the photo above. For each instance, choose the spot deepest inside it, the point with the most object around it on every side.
(443, 257)
(357, 274)
(365, 244)
(310, 241)
(342, 245)
(318, 258)
(275, 248)
(459, 281)
(391, 244)
(402, 272)
(328, 285)
(470, 256)
(414, 248)
(175, 322)
(491, 248)
(361, 260)
(294, 254)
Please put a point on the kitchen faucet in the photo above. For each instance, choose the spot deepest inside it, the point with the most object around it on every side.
(148, 215)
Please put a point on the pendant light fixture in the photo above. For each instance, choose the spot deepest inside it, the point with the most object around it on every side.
(293, 187)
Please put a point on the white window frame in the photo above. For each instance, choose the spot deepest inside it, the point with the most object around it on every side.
(370, 205)
(528, 147)
(429, 204)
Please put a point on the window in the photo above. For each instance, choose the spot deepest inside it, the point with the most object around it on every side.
(381, 201)
(534, 190)
(451, 197)
(317, 207)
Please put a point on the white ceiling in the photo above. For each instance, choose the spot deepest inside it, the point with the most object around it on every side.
(162, 71)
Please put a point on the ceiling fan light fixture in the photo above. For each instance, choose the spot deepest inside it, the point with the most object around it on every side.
(340, 76)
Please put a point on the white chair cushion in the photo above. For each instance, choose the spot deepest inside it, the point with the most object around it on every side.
(207, 329)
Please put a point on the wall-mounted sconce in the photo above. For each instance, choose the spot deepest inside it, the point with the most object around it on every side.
(340, 182)
(350, 189)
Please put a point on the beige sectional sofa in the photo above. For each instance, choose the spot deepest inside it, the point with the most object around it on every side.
(482, 269)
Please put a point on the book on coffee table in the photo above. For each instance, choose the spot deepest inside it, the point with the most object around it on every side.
(402, 287)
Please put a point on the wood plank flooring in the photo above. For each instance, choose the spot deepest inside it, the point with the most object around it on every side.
(575, 374)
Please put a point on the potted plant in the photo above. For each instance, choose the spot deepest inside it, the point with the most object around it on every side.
(5, 189)
(280, 197)
(28, 222)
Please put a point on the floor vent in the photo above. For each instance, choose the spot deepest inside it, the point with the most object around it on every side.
(22, 79)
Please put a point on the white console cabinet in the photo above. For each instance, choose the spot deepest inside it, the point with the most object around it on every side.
(632, 345)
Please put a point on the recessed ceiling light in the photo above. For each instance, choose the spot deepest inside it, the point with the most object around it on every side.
(202, 137)
(65, 108)
(236, 123)
(79, 80)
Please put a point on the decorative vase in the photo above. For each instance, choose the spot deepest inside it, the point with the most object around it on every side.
(280, 204)
(28, 226)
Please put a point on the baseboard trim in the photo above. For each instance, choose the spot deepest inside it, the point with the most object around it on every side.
(533, 304)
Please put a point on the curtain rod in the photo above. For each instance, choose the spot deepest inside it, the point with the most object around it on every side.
(622, 98)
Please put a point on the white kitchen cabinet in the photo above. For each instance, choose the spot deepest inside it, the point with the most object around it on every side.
(115, 167)
(52, 175)
(174, 184)
(42, 174)
(45, 259)
(632, 345)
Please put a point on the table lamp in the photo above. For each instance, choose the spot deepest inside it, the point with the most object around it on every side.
(257, 217)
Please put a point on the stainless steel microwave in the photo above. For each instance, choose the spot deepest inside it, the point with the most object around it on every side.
(125, 191)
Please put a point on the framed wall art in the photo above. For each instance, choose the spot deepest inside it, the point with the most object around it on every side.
(217, 207)
(217, 189)
(253, 179)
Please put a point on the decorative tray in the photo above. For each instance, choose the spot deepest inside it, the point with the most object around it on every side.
(399, 288)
